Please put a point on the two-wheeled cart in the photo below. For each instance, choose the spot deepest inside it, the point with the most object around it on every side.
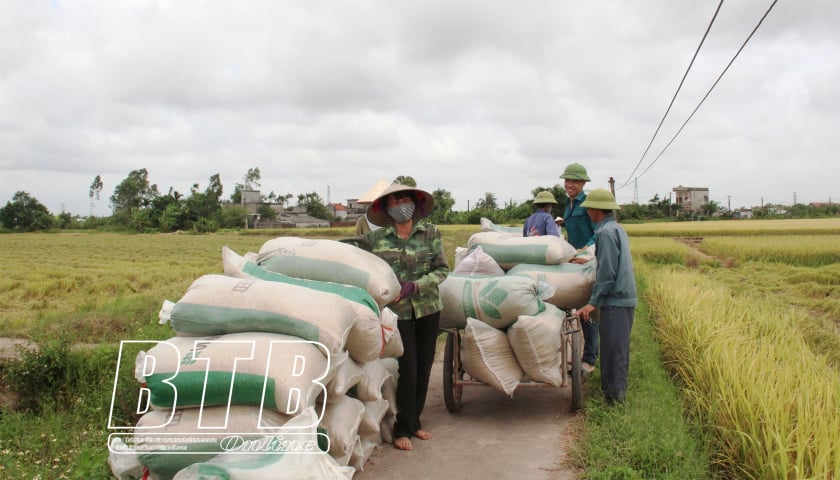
(455, 378)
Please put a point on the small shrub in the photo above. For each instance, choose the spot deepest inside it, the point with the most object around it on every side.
(40, 373)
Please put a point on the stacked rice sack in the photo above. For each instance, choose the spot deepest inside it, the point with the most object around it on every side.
(508, 293)
(299, 329)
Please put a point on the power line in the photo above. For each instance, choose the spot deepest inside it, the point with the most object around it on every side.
(712, 87)
(679, 87)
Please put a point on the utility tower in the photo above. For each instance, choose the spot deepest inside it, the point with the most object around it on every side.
(636, 190)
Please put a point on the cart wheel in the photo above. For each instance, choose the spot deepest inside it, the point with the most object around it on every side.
(452, 373)
(577, 373)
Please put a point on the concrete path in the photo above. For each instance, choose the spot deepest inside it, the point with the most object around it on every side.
(492, 436)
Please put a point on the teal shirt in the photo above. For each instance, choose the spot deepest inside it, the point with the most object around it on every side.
(615, 282)
(419, 259)
(579, 226)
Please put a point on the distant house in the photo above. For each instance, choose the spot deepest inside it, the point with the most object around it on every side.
(690, 199)
(338, 210)
(742, 213)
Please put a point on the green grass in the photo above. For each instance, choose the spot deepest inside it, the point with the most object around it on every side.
(647, 437)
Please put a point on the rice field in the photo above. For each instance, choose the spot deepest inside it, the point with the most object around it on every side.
(747, 315)
(752, 335)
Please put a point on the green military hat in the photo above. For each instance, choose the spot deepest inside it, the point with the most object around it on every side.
(544, 197)
(575, 171)
(601, 199)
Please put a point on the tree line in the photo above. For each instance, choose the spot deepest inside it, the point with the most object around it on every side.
(139, 206)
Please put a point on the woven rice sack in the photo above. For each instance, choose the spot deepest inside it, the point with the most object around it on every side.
(374, 376)
(393, 341)
(389, 388)
(235, 265)
(347, 375)
(497, 301)
(487, 225)
(536, 341)
(341, 420)
(331, 261)
(217, 304)
(365, 340)
(386, 428)
(476, 262)
(196, 442)
(269, 465)
(375, 411)
(287, 367)
(572, 282)
(362, 451)
(487, 356)
(509, 249)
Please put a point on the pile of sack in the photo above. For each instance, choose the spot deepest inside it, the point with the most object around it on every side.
(283, 367)
(509, 294)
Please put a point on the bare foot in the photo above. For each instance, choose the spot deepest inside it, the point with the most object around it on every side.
(403, 443)
(423, 434)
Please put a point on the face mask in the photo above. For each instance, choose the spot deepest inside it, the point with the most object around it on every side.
(401, 212)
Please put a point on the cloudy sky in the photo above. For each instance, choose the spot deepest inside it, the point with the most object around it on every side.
(471, 96)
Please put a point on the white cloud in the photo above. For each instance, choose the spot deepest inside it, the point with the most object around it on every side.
(472, 96)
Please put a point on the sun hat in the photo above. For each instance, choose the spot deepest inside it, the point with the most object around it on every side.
(575, 171)
(559, 219)
(373, 192)
(422, 199)
(544, 197)
(600, 198)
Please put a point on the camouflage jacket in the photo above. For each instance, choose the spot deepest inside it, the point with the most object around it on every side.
(419, 259)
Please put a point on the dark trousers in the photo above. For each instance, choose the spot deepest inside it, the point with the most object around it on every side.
(419, 337)
(616, 323)
(590, 338)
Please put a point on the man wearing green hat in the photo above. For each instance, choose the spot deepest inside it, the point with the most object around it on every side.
(541, 222)
(614, 294)
(581, 234)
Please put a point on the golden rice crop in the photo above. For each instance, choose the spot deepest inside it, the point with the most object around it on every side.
(807, 226)
(772, 402)
(804, 250)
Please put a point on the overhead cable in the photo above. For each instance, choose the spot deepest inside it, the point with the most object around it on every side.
(712, 87)
(702, 40)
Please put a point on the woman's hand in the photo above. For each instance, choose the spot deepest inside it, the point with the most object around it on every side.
(407, 288)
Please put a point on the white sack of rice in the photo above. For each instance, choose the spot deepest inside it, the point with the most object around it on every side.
(218, 304)
(196, 434)
(386, 427)
(369, 387)
(200, 370)
(347, 375)
(487, 356)
(497, 301)
(362, 452)
(331, 261)
(365, 340)
(487, 225)
(572, 282)
(375, 411)
(389, 388)
(536, 341)
(476, 262)
(300, 463)
(393, 341)
(341, 420)
(197, 441)
(510, 249)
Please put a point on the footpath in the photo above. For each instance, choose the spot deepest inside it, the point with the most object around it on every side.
(490, 436)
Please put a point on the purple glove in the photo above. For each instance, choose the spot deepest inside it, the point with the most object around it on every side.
(406, 288)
